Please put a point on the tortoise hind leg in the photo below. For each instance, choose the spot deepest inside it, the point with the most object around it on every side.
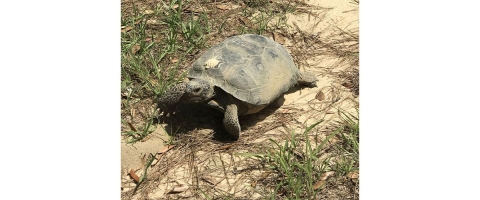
(230, 121)
(307, 79)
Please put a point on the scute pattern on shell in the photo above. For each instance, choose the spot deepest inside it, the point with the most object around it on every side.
(252, 68)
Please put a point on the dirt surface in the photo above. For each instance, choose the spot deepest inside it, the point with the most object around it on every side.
(211, 162)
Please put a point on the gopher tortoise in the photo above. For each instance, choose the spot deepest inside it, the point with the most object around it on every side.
(239, 76)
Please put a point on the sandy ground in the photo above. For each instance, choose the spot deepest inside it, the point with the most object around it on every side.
(300, 109)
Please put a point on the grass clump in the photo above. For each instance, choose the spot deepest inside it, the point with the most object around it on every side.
(301, 164)
(156, 46)
(348, 148)
(295, 164)
(154, 42)
(137, 134)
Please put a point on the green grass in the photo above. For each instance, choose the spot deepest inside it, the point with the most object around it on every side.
(149, 48)
(152, 52)
(148, 164)
(297, 164)
(139, 133)
(268, 17)
(349, 148)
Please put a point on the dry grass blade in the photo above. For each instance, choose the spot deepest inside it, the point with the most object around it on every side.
(347, 85)
(132, 113)
(209, 180)
(223, 7)
(165, 149)
(178, 189)
(131, 126)
(126, 29)
(225, 147)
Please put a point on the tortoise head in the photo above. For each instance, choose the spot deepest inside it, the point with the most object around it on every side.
(198, 90)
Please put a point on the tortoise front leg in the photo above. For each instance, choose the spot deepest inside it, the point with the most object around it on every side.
(171, 98)
(307, 79)
(230, 121)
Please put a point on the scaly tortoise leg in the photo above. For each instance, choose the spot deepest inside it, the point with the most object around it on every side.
(230, 121)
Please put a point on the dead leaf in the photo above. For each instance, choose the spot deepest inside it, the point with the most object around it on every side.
(225, 147)
(278, 38)
(126, 29)
(330, 112)
(152, 21)
(174, 60)
(158, 39)
(245, 21)
(135, 48)
(254, 183)
(138, 21)
(134, 176)
(165, 149)
(323, 180)
(265, 174)
(353, 175)
(319, 184)
(223, 7)
(320, 96)
(325, 175)
(149, 12)
(178, 189)
(148, 39)
(131, 126)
